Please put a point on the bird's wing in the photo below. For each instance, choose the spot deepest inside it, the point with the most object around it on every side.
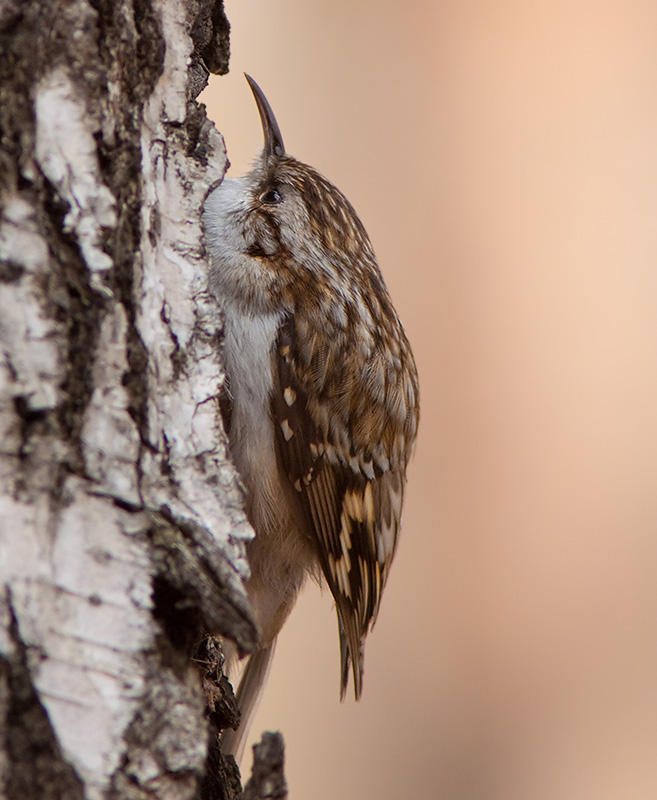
(350, 484)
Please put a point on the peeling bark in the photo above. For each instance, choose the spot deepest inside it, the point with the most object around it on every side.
(122, 536)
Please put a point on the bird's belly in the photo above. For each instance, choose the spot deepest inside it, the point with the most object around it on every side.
(282, 553)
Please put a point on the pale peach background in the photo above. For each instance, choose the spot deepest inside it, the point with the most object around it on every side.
(503, 156)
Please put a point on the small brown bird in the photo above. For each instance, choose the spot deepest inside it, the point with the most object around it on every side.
(322, 396)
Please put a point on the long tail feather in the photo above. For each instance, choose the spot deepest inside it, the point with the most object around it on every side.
(249, 693)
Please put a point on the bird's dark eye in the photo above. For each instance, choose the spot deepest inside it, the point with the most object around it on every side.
(271, 197)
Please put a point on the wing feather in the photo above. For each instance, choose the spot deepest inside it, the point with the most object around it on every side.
(349, 484)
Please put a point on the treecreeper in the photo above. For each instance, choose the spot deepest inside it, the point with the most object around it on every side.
(321, 398)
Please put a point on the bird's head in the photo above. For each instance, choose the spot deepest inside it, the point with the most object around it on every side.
(282, 230)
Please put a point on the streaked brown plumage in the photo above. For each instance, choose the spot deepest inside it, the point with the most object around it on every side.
(323, 393)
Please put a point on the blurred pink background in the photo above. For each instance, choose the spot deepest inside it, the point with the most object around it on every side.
(503, 157)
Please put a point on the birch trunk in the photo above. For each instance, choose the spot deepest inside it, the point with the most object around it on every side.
(121, 530)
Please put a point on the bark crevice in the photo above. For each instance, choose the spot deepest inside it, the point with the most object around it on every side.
(34, 764)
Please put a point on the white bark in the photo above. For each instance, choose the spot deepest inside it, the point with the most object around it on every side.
(98, 499)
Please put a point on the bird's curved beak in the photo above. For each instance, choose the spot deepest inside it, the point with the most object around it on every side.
(274, 146)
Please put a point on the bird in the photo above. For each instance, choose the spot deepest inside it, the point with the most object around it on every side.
(320, 403)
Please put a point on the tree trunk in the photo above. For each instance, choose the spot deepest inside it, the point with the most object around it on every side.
(121, 528)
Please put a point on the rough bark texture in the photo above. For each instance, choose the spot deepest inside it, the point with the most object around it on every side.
(268, 780)
(121, 530)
